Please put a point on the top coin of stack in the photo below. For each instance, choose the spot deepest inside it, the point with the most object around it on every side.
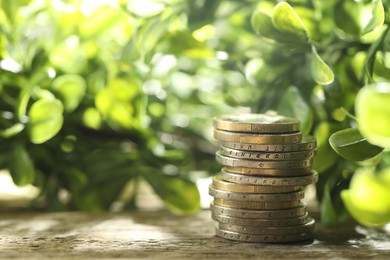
(267, 163)
(257, 123)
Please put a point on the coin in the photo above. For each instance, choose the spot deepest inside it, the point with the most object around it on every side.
(272, 181)
(264, 214)
(270, 172)
(258, 222)
(257, 138)
(256, 123)
(308, 143)
(285, 156)
(229, 161)
(256, 205)
(258, 197)
(262, 238)
(220, 184)
(306, 227)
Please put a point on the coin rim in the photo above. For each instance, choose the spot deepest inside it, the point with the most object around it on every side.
(253, 205)
(307, 227)
(260, 238)
(308, 143)
(264, 214)
(270, 181)
(256, 197)
(226, 123)
(269, 156)
(238, 137)
(230, 161)
(220, 184)
(295, 172)
(257, 222)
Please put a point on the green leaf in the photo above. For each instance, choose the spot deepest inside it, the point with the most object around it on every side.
(10, 9)
(98, 197)
(75, 178)
(255, 70)
(179, 195)
(262, 24)
(118, 114)
(347, 17)
(120, 102)
(377, 18)
(69, 57)
(372, 54)
(328, 188)
(102, 20)
(287, 20)
(24, 98)
(12, 131)
(71, 89)
(368, 197)
(150, 34)
(21, 166)
(183, 43)
(380, 67)
(325, 156)
(373, 113)
(320, 71)
(92, 118)
(45, 120)
(327, 210)
(351, 145)
(356, 18)
(38, 60)
(292, 104)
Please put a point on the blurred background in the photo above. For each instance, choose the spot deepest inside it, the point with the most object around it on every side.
(102, 101)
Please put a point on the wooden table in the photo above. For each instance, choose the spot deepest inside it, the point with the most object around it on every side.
(162, 235)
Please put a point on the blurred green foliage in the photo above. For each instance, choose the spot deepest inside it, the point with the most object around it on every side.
(331, 60)
(96, 95)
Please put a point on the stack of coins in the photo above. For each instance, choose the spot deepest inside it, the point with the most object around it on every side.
(267, 164)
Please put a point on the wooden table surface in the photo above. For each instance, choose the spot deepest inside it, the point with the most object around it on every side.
(162, 235)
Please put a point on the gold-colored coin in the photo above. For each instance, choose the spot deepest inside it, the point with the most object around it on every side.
(256, 123)
(266, 156)
(293, 172)
(241, 179)
(220, 184)
(262, 214)
(258, 197)
(308, 143)
(258, 222)
(229, 161)
(236, 236)
(307, 227)
(254, 205)
(257, 138)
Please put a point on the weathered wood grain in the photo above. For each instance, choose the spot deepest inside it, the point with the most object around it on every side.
(162, 235)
